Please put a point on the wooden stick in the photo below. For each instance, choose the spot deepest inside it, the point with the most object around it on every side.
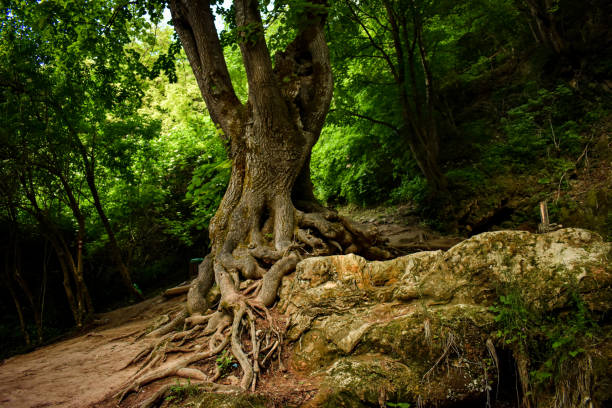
(545, 224)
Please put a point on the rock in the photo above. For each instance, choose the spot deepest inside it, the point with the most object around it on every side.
(419, 328)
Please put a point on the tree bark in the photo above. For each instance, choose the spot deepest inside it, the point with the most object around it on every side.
(80, 304)
(34, 305)
(545, 27)
(124, 271)
(83, 298)
(409, 66)
(271, 136)
(418, 117)
(13, 273)
(9, 285)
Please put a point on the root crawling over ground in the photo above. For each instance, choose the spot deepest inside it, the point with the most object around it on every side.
(247, 267)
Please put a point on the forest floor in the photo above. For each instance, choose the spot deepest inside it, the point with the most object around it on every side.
(80, 371)
(87, 369)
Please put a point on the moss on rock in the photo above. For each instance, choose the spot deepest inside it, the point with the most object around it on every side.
(420, 327)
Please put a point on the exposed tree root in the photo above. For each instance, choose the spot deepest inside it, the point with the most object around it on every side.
(248, 268)
(179, 290)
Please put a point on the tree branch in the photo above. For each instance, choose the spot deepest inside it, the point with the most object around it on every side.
(377, 46)
(264, 91)
(373, 120)
(316, 83)
(195, 25)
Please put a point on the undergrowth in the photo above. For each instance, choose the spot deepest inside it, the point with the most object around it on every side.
(225, 362)
(179, 392)
(555, 342)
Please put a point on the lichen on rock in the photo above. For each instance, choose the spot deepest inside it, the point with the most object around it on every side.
(420, 328)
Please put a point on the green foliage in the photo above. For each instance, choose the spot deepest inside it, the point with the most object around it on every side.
(567, 335)
(225, 361)
(544, 126)
(249, 33)
(514, 319)
(179, 392)
(550, 341)
(398, 404)
(348, 167)
(206, 188)
(108, 80)
(469, 179)
(411, 190)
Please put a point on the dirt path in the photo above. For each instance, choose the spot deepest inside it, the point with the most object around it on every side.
(402, 229)
(81, 371)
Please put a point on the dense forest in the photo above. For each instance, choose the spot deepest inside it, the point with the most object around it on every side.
(466, 115)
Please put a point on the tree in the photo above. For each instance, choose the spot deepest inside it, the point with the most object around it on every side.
(268, 218)
(568, 29)
(66, 80)
(390, 36)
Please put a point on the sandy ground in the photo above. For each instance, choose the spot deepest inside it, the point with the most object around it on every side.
(83, 370)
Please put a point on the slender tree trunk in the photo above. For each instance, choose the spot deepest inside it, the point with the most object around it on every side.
(77, 312)
(89, 165)
(543, 24)
(83, 298)
(419, 127)
(83, 291)
(9, 285)
(424, 149)
(81, 304)
(13, 273)
(27, 292)
(78, 298)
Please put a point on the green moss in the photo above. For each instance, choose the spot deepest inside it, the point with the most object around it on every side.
(313, 351)
(365, 380)
(214, 400)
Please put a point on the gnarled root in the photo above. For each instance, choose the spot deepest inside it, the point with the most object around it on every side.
(247, 267)
(180, 367)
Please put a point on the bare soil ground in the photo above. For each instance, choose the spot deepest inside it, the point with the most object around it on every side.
(401, 228)
(87, 370)
(83, 370)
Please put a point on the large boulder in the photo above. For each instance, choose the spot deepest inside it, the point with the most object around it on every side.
(421, 330)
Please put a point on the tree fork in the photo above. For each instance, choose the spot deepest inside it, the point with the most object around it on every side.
(257, 234)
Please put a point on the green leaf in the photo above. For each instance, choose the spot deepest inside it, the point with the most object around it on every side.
(574, 353)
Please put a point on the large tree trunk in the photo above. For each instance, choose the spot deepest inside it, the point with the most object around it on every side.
(271, 137)
(259, 232)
